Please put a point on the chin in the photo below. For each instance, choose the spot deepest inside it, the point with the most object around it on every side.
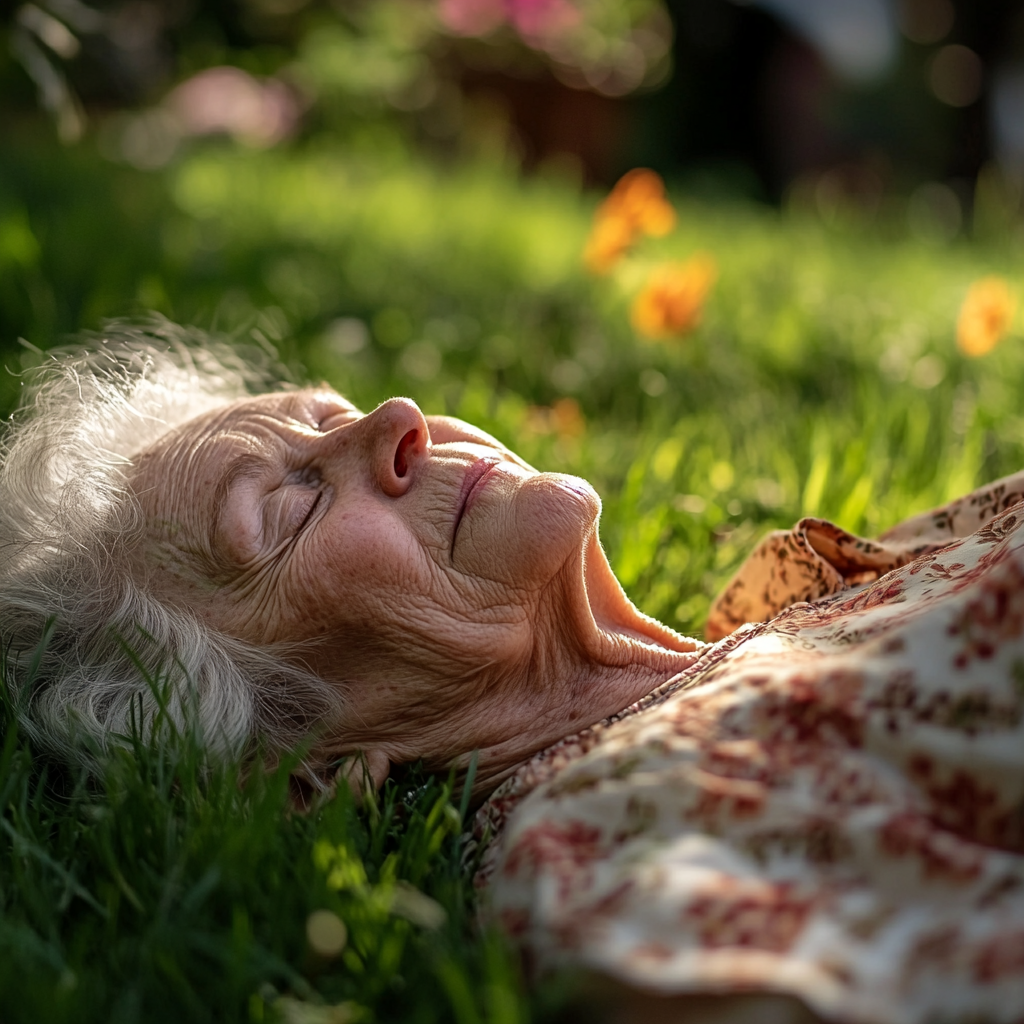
(566, 511)
(525, 529)
(560, 513)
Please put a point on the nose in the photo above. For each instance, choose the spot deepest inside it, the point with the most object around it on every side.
(398, 439)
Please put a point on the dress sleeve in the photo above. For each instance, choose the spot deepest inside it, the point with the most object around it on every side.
(813, 560)
(817, 558)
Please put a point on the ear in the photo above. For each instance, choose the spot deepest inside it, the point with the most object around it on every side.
(364, 773)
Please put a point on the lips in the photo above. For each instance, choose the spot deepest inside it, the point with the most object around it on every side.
(472, 482)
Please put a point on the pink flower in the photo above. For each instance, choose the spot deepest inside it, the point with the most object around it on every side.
(229, 100)
(539, 20)
(536, 21)
(472, 17)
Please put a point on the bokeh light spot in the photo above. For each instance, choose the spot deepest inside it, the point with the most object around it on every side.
(956, 75)
(326, 933)
(926, 21)
(346, 336)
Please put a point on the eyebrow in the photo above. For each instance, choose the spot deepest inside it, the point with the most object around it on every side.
(332, 405)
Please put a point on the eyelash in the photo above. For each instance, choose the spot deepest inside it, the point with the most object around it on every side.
(309, 514)
(310, 478)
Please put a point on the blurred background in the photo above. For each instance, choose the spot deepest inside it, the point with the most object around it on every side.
(397, 195)
(775, 99)
(909, 112)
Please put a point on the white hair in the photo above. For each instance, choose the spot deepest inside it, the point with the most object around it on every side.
(91, 657)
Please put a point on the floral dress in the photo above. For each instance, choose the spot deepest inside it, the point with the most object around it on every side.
(828, 804)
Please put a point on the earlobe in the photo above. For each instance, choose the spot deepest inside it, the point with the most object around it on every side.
(364, 773)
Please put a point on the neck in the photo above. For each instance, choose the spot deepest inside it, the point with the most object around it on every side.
(605, 656)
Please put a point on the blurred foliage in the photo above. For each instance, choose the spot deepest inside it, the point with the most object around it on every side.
(346, 61)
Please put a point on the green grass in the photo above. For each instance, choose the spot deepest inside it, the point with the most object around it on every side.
(824, 380)
(171, 889)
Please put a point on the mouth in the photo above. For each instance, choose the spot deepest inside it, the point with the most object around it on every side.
(472, 483)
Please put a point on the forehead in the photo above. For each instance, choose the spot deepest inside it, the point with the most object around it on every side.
(306, 407)
(255, 417)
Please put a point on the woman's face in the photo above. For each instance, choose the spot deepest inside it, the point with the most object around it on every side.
(429, 564)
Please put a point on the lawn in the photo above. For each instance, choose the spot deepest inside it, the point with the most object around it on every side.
(824, 378)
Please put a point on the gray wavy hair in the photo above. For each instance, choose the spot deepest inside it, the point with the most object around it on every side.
(91, 657)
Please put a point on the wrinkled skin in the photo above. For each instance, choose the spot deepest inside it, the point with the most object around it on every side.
(459, 599)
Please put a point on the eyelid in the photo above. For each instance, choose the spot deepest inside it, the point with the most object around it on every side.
(283, 514)
(309, 477)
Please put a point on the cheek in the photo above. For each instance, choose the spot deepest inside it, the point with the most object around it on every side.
(523, 538)
(344, 577)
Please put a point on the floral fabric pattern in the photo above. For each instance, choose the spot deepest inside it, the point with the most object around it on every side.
(828, 804)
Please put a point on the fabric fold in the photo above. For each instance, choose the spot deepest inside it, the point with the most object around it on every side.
(816, 558)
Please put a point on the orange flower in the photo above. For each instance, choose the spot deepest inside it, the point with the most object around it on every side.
(636, 205)
(673, 299)
(567, 418)
(639, 199)
(984, 316)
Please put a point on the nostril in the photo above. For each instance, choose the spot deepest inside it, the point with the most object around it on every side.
(401, 459)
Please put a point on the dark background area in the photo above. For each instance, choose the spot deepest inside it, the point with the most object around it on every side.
(751, 101)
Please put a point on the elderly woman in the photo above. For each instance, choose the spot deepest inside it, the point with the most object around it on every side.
(389, 584)
(826, 808)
